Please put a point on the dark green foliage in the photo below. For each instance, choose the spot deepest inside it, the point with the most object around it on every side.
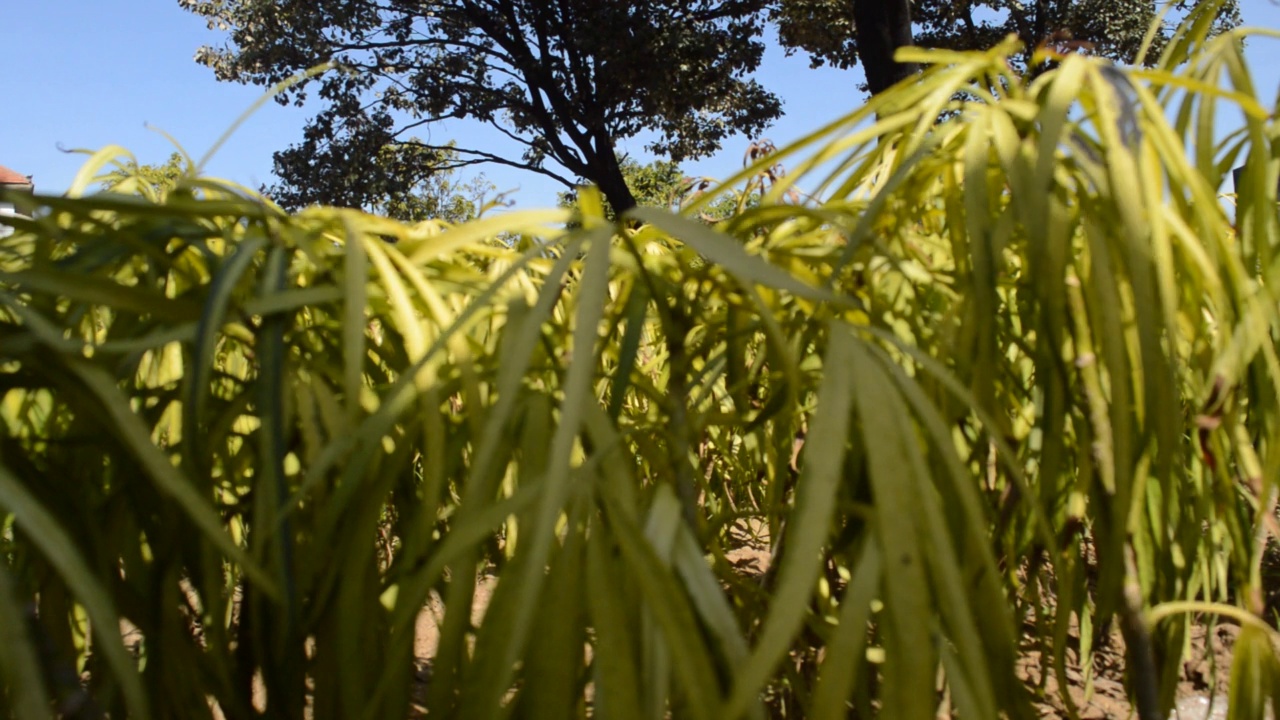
(402, 180)
(848, 32)
(882, 27)
(828, 29)
(662, 184)
(1110, 28)
(565, 79)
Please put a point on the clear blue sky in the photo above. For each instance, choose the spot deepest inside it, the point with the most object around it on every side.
(88, 73)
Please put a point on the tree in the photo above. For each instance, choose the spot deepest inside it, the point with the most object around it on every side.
(565, 79)
(1109, 28)
(403, 181)
(884, 26)
(660, 183)
(847, 32)
(150, 180)
(663, 184)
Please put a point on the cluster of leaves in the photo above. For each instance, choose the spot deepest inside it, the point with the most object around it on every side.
(404, 181)
(846, 33)
(828, 30)
(568, 80)
(149, 181)
(660, 184)
(663, 184)
(565, 80)
(1106, 28)
(1021, 352)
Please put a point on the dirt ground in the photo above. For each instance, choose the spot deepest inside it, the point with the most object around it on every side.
(1201, 693)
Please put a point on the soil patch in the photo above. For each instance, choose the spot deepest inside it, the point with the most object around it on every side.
(1098, 693)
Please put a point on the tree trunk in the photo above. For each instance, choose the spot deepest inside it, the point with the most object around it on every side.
(882, 27)
(608, 177)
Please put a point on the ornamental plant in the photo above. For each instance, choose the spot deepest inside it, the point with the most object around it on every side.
(1001, 380)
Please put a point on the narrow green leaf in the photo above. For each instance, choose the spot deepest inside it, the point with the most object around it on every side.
(59, 549)
(19, 664)
(456, 238)
(1255, 674)
(275, 90)
(618, 679)
(92, 167)
(894, 468)
(136, 438)
(288, 301)
(536, 544)
(406, 320)
(846, 649)
(208, 332)
(103, 291)
(634, 314)
(724, 250)
(555, 663)
(809, 525)
(672, 614)
(355, 276)
(713, 607)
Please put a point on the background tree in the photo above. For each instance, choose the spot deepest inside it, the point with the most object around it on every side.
(156, 178)
(1110, 28)
(565, 79)
(660, 183)
(405, 181)
(663, 184)
(847, 32)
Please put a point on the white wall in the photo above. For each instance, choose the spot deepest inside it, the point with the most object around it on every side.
(6, 209)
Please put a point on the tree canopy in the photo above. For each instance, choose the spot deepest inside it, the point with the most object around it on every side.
(661, 183)
(405, 181)
(565, 79)
(146, 178)
(664, 184)
(845, 33)
(848, 32)
(1110, 28)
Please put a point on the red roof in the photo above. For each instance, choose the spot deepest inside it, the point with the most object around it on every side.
(9, 177)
